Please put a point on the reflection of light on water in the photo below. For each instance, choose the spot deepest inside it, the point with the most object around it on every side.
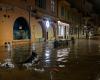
(60, 59)
(33, 47)
(47, 54)
(61, 65)
(47, 60)
(62, 54)
(30, 64)
(64, 61)
(39, 70)
(8, 64)
(47, 57)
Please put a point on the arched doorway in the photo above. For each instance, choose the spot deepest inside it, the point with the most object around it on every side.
(21, 29)
(50, 33)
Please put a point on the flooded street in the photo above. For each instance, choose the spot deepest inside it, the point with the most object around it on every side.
(80, 61)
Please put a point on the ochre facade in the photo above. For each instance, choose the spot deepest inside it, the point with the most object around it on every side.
(37, 18)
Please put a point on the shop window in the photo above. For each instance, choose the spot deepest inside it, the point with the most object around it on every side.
(61, 31)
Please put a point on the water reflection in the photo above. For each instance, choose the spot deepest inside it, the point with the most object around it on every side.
(7, 64)
(20, 56)
(47, 56)
(39, 70)
(62, 54)
(47, 53)
(74, 62)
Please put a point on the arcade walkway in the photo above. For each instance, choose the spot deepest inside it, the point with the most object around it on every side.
(80, 61)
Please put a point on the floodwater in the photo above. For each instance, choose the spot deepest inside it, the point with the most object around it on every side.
(79, 61)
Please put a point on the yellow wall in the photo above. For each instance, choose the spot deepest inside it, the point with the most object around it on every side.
(6, 25)
(36, 30)
(50, 33)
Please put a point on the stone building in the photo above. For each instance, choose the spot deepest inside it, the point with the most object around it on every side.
(23, 21)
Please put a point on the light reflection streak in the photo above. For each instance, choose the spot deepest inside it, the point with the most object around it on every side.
(62, 55)
(7, 64)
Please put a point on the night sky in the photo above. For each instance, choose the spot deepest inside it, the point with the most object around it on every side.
(95, 3)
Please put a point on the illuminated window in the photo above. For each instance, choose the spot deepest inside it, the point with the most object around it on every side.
(61, 31)
(53, 5)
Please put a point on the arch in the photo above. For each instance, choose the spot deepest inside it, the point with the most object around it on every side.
(43, 30)
(21, 29)
(51, 31)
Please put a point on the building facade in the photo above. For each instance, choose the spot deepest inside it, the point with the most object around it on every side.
(63, 19)
(23, 21)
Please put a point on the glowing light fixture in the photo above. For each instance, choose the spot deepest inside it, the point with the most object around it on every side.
(47, 24)
(20, 27)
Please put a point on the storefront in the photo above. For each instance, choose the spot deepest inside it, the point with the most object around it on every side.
(63, 30)
(24, 28)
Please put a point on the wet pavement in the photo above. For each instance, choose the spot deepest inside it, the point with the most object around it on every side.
(79, 61)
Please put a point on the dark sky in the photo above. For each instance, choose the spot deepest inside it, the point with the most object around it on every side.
(96, 5)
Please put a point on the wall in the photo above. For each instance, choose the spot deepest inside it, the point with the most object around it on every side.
(7, 23)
